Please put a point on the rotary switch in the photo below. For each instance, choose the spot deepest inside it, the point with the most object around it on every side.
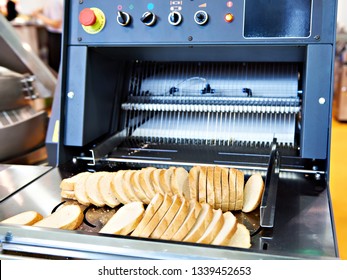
(175, 18)
(201, 17)
(123, 18)
(92, 20)
(149, 18)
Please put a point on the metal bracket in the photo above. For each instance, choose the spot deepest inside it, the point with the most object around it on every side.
(28, 87)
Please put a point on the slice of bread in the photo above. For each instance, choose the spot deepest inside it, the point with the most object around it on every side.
(80, 189)
(106, 191)
(217, 184)
(227, 231)
(177, 220)
(117, 187)
(168, 217)
(154, 186)
(193, 182)
(68, 194)
(189, 221)
(165, 179)
(67, 217)
(241, 238)
(92, 189)
(201, 224)
(135, 183)
(202, 184)
(210, 186)
(154, 177)
(232, 189)
(151, 209)
(26, 218)
(225, 189)
(125, 220)
(128, 188)
(153, 223)
(179, 181)
(213, 228)
(146, 183)
(240, 184)
(253, 192)
(68, 184)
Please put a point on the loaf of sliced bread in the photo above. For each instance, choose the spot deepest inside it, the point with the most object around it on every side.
(151, 209)
(68, 184)
(189, 220)
(179, 181)
(125, 220)
(213, 228)
(106, 191)
(26, 218)
(168, 217)
(232, 189)
(227, 231)
(93, 190)
(217, 185)
(253, 192)
(225, 189)
(201, 224)
(202, 184)
(193, 181)
(66, 217)
(241, 238)
(117, 187)
(80, 189)
(139, 191)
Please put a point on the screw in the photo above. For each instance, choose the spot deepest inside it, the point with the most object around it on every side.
(317, 176)
(190, 38)
(317, 37)
(79, 39)
(81, 1)
(70, 94)
(321, 100)
(8, 236)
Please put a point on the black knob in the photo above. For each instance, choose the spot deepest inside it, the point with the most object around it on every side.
(201, 17)
(175, 18)
(123, 18)
(149, 18)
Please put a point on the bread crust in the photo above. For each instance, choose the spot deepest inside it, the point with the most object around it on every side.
(213, 228)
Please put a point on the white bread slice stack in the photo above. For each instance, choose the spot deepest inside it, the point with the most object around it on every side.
(177, 221)
(202, 185)
(253, 192)
(106, 192)
(227, 231)
(240, 183)
(68, 184)
(193, 181)
(232, 189)
(189, 221)
(201, 224)
(158, 215)
(26, 218)
(151, 209)
(179, 181)
(67, 217)
(139, 192)
(225, 189)
(117, 187)
(125, 220)
(92, 189)
(168, 217)
(80, 189)
(213, 228)
(241, 238)
(217, 185)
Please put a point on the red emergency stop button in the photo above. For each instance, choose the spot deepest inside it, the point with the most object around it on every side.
(87, 17)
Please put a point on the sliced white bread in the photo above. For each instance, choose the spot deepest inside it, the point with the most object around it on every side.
(80, 189)
(165, 179)
(26, 218)
(189, 221)
(232, 189)
(154, 177)
(202, 184)
(151, 209)
(168, 217)
(213, 228)
(68, 184)
(135, 183)
(227, 231)
(67, 217)
(210, 186)
(117, 187)
(153, 223)
(225, 189)
(177, 221)
(106, 191)
(92, 189)
(201, 224)
(253, 192)
(154, 186)
(240, 184)
(241, 238)
(217, 185)
(146, 183)
(128, 188)
(179, 181)
(125, 220)
(193, 181)
(68, 194)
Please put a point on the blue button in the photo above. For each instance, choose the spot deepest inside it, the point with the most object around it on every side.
(150, 6)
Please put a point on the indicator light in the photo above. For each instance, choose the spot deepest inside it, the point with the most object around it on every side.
(229, 17)
(229, 4)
